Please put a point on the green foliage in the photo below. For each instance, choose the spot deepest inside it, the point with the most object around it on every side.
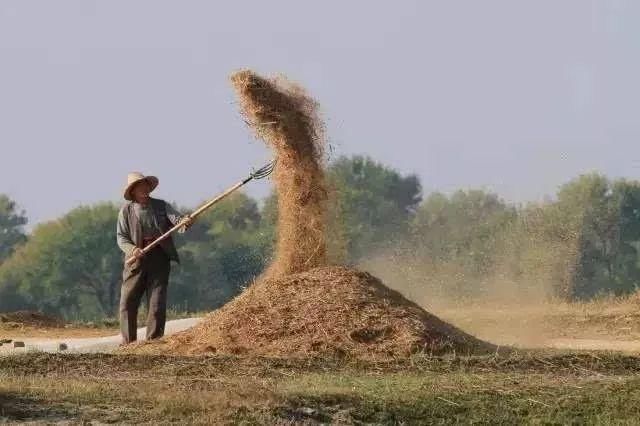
(466, 226)
(372, 205)
(224, 251)
(451, 248)
(12, 222)
(69, 261)
(606, 216)
(583, 243)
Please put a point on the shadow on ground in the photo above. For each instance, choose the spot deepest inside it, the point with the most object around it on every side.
(21, 408)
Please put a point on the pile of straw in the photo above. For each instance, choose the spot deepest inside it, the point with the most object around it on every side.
(327, 311)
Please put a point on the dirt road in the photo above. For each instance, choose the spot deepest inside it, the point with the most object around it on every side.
(595, 345)
(89, 344)
(109, 343)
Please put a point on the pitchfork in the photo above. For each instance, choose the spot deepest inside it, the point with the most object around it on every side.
(257, 174)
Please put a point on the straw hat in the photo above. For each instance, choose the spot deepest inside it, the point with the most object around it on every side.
(135, 177)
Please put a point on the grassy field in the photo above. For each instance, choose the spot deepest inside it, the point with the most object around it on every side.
(531, 387)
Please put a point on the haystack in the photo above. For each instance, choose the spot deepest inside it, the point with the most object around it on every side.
(326, 311)
(301, 306)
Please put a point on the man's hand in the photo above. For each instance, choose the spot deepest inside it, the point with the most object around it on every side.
(134, 256)
(186, 223)
(136, 253)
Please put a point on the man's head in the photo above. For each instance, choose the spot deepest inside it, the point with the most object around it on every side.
(139, 187)
(140, 191)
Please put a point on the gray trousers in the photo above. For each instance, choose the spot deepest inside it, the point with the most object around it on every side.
(149, 275)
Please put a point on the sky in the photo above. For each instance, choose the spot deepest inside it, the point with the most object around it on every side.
(515, 97)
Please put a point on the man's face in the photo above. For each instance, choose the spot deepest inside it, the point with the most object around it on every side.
(140, 191)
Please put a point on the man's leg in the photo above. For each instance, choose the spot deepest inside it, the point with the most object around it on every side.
(130, 297)
(157, 284)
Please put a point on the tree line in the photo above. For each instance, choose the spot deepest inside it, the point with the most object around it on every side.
(582, 243)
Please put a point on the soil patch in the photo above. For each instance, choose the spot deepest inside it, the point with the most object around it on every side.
(29, 319)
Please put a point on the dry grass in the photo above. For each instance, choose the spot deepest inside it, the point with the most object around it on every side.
(69, 331)
(507, 311)
(330, 311)
(540, 388)
(286, 118)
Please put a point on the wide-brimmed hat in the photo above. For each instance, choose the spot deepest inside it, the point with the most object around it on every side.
(135, 177)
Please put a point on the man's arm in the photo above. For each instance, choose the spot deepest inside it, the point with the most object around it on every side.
(123, 236)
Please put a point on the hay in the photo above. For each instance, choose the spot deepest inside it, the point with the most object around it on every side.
(286, 118)
(327, 311)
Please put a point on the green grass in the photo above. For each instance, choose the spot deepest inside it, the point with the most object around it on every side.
(530, 388)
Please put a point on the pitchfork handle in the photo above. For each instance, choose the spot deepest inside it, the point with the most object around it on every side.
(192, 216)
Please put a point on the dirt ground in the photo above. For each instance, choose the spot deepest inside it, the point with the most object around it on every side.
(15, 325)
(615, 321)
(611, 323)
(55, 333)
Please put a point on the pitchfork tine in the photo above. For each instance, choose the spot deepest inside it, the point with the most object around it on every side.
(264, 171)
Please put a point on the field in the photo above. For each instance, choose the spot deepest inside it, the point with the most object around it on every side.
(532, 387)
(527, 386)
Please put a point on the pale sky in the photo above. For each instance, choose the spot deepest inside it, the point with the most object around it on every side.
(512, 96)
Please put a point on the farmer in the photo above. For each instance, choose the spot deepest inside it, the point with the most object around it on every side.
(140, 221)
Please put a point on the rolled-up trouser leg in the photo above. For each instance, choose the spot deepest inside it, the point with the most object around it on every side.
(133, 287)
(157, 283)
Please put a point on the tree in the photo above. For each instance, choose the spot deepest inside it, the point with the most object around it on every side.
(452, 248)
(454, 240)
(537, 253)
(371, 205)
(223, 251)
(70, 266)
(466, 226)
(369, 208)
(12, 223)
(606, 219)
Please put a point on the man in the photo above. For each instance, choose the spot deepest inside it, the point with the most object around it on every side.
(140, 221)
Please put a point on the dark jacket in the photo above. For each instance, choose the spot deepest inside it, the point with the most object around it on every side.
(129, 230)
